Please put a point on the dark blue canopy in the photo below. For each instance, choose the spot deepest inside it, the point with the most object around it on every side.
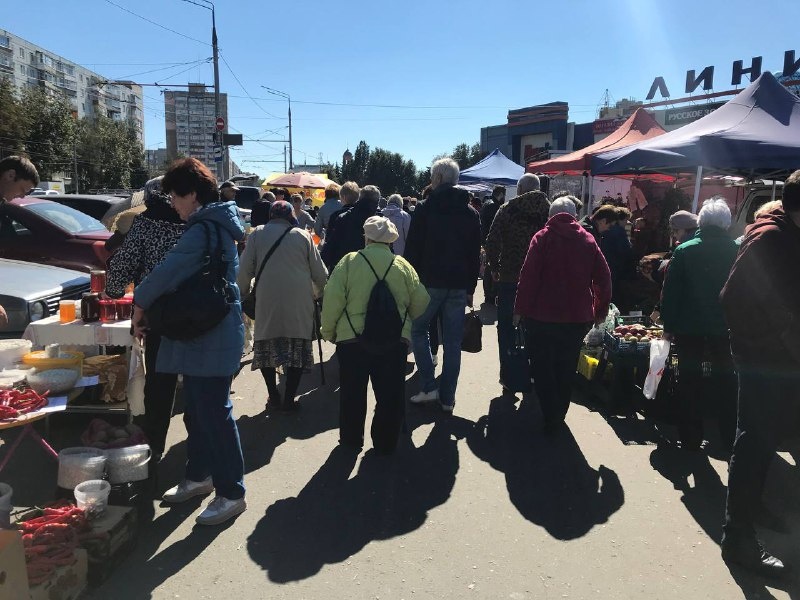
(756, 132)
(495, 168)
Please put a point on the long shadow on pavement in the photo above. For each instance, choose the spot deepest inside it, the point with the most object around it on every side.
(335, 516)
(548, 478)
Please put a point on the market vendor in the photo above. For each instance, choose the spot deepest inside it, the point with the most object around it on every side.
(18, 176)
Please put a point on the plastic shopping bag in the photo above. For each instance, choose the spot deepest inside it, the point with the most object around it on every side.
(136, 378)
(659, 352)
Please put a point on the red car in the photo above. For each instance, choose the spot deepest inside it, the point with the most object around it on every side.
(37, 230)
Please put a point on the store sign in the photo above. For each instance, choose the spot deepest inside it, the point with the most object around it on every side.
(687, 114)
(606, 126)
(706, 76)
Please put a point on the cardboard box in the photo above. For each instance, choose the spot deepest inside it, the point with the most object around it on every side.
(66, 583)
(13, 578)
(115, 534)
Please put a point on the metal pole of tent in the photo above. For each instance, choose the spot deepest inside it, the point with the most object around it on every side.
(697, 183)
(589, 202)
(583, 190)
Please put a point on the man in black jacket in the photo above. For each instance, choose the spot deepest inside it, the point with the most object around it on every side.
(488, 213)
(443, 245)
(761, 300)
(346, 232)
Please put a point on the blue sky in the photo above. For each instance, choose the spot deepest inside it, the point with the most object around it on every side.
(441, 70)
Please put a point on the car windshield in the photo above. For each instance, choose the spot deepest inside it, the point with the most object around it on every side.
(67, 218)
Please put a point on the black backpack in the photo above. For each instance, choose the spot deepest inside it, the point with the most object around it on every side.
(383, 327)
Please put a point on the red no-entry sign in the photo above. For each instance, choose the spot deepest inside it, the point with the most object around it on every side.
(220, 123)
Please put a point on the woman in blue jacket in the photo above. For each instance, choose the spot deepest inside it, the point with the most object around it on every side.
(209, 361)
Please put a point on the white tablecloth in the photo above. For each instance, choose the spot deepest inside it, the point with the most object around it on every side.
(52, 331)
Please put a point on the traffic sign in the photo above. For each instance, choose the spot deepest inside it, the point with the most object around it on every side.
(220, 123)
(217, 153)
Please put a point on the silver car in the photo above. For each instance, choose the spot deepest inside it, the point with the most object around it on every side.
(30, 291)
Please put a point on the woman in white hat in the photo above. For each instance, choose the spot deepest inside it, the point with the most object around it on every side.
(371, 299)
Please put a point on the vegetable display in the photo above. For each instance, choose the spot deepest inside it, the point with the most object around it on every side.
(50, 539)
(15, 403)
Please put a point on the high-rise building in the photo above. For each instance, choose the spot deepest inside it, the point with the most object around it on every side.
(27, 65)
(190, 123)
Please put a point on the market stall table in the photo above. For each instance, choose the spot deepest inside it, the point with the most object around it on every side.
(26, 422)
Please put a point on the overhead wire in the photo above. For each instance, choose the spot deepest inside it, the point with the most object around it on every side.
(165, 28)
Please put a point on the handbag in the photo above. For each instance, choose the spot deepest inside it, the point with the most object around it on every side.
(249, 301)
(473, 327)
(199, 303)
(516, 366)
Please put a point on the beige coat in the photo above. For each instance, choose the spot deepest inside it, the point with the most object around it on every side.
(292, 278)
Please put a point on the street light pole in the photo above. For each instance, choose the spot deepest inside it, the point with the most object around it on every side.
(209, 5)
(289, 99)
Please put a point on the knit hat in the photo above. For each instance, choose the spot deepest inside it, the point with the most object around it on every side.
(683, 219)
(563, 205)
(380, 229)
(281, 209)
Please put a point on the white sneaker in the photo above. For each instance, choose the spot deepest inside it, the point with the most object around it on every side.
(431, 396)
(187, 489)
(435, 360)
(220, 510)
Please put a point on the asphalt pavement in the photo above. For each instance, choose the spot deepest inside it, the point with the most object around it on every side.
(478, 504)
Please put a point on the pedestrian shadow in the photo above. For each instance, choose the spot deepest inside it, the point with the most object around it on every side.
(548, 478)
(703, 491)
(335, 515)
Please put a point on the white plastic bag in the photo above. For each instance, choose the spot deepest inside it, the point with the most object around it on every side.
(136, 378)
(659, 352)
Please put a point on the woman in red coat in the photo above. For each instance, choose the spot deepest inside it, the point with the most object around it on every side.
(564, 287)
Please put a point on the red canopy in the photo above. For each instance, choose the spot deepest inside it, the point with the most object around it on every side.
(639, 126)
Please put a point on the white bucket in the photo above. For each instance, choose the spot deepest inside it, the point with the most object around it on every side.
(128, 464)
(6, 492)
(92, 496)
(79, 464)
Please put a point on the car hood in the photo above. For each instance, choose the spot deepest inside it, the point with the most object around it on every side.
(31, 280)
(94, 236)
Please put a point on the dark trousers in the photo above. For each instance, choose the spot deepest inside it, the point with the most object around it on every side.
(388, 375)
(506, 295)
(212, 444)
(553, 349)
(435, 332)
(769, 412)
(712, 396)
(159, 397)
(489, 287)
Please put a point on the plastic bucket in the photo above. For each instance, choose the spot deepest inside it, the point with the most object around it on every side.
(79, 464)
(92, 496)
(6, 492)
(128, 464)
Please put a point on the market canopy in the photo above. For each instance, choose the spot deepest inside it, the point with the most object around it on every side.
(640, 126)
(755, 133)
(494, 169)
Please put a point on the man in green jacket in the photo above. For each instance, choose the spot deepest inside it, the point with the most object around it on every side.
(344, 312)
(694, 320)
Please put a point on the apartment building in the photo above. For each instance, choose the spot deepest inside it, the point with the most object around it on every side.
(190, 118)
(27, 65)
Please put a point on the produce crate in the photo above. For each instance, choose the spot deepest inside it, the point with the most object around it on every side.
(66, 583)
(13, 579)
(115, 537)
(617, 345)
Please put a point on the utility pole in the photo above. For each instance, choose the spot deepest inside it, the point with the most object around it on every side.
(284, 158)
(217, 114)
(75, 166)
(289, 99)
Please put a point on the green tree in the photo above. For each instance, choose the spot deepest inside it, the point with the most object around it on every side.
(467, 156)
(12, 122)
(109, 155)
(356, 169)
(50, 126)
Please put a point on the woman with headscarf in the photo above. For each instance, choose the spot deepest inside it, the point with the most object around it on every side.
(290, 280)
(151, 236)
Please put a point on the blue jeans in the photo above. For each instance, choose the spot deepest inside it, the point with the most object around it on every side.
(451, 303)
(212, 443)
(506, 295)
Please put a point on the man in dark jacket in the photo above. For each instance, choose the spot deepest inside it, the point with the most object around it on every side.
(347, 235)
(761, 301)
(332, 250)
(488, 213)
(443, 245)
(506, 247)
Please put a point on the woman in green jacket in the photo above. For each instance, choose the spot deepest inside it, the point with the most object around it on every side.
(344, 315)
(694, 320)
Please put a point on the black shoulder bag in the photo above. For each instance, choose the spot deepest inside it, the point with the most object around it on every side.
(249, 301)
(198, 304)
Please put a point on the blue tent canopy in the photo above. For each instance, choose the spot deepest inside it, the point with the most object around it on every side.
(495, 169)
(756, 132)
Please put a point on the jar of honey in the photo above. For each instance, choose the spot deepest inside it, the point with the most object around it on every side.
(108, 311)
(90, 308)
(97, 281)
